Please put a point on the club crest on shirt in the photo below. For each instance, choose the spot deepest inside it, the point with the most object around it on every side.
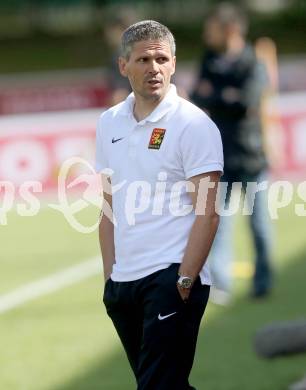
(156, 139)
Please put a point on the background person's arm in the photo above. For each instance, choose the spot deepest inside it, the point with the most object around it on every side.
(216, 92)
(106, 231)
(203, 230)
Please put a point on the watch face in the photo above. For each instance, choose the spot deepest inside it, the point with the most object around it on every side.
(185, 282)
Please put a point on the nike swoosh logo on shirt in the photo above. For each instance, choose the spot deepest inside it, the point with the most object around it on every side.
(116, 140)
(160, 317)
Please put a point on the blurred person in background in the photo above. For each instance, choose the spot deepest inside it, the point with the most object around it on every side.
(230, 89)
(266, 53)
(113, 29)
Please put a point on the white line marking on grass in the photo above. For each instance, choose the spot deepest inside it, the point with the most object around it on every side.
(50, 284)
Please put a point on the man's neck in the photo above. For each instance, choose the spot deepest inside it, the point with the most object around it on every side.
(143, 108)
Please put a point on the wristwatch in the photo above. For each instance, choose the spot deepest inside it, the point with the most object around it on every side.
(184, 282)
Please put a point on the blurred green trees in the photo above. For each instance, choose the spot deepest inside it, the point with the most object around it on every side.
(57, 34)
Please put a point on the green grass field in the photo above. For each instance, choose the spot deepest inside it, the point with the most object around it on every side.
(65, 341)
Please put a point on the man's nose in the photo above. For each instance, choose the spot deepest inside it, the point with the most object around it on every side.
(154, 68)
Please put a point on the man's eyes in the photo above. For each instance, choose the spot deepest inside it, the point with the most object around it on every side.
(160, 60)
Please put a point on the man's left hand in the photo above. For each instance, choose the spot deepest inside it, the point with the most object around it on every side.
(184, 293)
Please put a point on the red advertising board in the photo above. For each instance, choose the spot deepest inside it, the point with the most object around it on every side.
(52, 98)
(286, 134)
(34, 146)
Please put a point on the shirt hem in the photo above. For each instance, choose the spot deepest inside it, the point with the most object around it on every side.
(119, 277)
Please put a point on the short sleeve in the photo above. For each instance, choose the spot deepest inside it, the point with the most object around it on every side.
(201, 147)
(101, 158)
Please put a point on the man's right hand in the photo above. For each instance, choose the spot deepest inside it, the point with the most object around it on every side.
(106, 278)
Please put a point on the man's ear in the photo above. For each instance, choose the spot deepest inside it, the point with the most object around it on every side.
(122, 66)
(174, 63)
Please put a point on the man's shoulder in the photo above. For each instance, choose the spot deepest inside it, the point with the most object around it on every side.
(112, 113)
(194, 121)
(189, 112)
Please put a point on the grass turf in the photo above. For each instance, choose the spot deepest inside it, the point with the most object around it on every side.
(64, 341)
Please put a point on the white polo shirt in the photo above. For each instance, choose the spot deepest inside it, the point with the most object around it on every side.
(151, 161)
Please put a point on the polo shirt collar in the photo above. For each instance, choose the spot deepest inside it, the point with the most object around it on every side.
(168, 102)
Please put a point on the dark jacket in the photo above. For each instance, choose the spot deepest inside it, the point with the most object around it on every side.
(238, 117)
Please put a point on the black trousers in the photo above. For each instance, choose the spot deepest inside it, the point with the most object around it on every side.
(157, 328)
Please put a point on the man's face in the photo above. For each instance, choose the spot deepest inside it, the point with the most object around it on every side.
(214, 34)
(149, 68)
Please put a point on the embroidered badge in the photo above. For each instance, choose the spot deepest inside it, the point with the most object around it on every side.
(156, 139)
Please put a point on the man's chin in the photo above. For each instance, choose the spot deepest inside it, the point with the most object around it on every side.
(157, 93)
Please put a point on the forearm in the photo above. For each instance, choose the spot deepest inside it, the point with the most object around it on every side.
(199, 243)
(106, 237)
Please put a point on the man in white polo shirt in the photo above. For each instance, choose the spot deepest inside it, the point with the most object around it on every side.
(163, 158)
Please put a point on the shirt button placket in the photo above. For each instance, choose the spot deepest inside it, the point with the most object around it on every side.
(134, 140)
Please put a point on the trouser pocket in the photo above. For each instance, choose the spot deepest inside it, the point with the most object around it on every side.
(107, 291)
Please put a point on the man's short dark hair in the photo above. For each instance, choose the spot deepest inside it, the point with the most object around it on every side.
(144, 31)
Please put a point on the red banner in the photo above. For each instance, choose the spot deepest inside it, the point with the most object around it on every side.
(34, 146)
(286, 135)
(53, 98)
